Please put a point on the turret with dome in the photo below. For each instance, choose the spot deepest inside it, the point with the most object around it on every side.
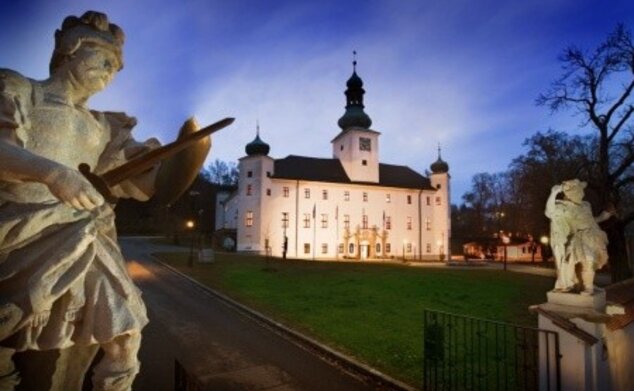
(257, 146)
(439, 166)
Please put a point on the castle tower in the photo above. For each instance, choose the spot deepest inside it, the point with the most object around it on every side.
(442, 205)
(255, 169)
(357, 146)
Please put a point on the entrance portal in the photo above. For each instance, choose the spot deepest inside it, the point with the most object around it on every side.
(364, 250)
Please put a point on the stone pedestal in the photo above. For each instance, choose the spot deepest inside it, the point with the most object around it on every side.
(578, 321)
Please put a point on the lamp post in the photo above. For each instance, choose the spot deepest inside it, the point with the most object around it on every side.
(505, 241)
(190, 224)
(544, 241)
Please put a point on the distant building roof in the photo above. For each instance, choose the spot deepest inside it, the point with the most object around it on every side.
(331, 170)
(621, 293)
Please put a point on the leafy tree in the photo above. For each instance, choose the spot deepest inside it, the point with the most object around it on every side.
(221, 173)
(598, 86)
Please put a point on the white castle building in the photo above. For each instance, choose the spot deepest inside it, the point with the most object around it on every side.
(349, 206)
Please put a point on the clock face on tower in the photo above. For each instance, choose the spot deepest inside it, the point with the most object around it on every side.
(365, 144)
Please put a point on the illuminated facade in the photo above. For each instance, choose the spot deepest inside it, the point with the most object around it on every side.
(348, 206)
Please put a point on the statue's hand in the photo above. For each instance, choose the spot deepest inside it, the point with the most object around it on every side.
(70, 187)
(556, 189)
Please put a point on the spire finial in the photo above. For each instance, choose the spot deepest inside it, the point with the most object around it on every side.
(354, 60)
(257, 127)
(438, 150)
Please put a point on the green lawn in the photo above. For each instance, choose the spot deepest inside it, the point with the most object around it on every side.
(373, 312)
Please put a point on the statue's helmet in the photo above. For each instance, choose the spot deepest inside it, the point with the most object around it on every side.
(91, 27)
(573, 184)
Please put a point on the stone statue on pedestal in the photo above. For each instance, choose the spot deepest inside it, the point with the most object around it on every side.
(579, 245)
(63, 280)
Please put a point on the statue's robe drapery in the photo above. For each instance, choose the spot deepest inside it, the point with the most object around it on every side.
(63, 279)
(584, 241)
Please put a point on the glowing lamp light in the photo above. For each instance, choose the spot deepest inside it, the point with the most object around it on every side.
(189, 224)
(544, 239)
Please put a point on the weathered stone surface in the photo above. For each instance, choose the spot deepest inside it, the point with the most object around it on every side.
(578, 244)
(64, 288)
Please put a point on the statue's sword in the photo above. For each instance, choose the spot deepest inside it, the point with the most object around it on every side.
(104, 182)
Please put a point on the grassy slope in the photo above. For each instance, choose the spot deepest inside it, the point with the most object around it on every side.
(373, 312)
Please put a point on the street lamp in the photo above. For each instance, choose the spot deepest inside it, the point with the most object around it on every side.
(190, 224)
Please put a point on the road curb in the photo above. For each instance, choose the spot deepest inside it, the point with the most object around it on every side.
(347, 363)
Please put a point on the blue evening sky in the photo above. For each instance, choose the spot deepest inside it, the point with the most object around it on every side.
(462, 73)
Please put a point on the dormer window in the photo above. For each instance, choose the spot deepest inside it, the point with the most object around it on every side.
(365, 144)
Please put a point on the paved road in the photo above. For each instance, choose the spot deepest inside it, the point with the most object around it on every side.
(217, 344)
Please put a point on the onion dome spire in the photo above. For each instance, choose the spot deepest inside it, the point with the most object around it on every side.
(354, 115)
(439, 166)
(257, 146)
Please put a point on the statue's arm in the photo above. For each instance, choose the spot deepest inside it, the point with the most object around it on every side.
(551, 204)
(19, 165)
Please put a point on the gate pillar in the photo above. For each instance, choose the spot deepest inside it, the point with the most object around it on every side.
(578, 320)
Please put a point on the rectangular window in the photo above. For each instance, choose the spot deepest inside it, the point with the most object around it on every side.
(284, 219)
(346, 196)
(306, 193)
(364, 221)
(248, 219)
(268, 174)
(324, 248)
(428, 248)
(438, 201)
(409, 223)
(409, 247)
(249, 174)
(365, 196)
(427, 224)
(324, 194)
(409, 199)
(340, 249)
(324, 220)
(388, 248)
(364, 162)
(285, 191)
(249, 190)
(306, 248)
(428, 198)
(388, 222)
(268, 192)
(388, 198)
(346, 221)
(306, 220)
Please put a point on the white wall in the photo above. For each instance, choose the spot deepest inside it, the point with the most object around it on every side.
(268, 211)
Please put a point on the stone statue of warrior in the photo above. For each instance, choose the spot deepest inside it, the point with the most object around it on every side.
(579, 245)
(63, 281)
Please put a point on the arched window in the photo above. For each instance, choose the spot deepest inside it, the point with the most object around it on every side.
(378, 248)
(351, 248)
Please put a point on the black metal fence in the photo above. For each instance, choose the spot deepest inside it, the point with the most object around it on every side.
(183, 381)
(465, 353)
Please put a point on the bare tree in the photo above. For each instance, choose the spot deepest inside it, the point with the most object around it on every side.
(598, 86)
(221, 173)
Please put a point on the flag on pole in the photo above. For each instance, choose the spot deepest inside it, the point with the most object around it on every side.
(314, 211)
(337, 213)
(383, 219)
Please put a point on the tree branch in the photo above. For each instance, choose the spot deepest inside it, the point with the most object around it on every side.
(622, 121)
